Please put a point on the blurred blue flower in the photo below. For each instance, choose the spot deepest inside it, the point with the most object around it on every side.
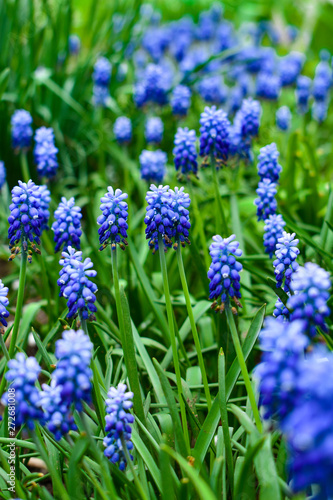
(154, 129)
(303, 91)
(113, 221)
(213, 90)
(122, 129)
(152, 86)
(285, 263)
(290, 67)
(102, 72)
(180, 100)
(67, 225)
(185, 152)
(45, 152)
(74, 44)
(283, 118)
(21, 121)
(266, 202)
(153, 165)
(268, 86)
(4, 302)
(3, 174)
(247, 119)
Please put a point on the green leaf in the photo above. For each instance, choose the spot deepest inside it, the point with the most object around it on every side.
(244, 469)
(278, 291)
(28, 315)
(141, 448)
(43, 352)
(4, 77)
(74, 477)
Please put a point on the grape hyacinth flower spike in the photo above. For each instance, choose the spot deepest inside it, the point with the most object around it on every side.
(180, 100)
(113, 221)
(45, 153)
(179, 203)
(118, 425)
(214, 135)
(224, 272)
(154, 129)
(122, 129)
(268, 166)
(273, 231)
(21, 129)
(266, 203)
(4, 302)
(45, 200)
(283, 118)
(285, 263)
(153, 165)
(159, 216)
(185, 153)
(101, 78)
(67, 225)
(25, 219)
(3, 174)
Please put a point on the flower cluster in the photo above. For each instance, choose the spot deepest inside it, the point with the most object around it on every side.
(70, 384)
(273, 231)
(248, 118)
(224, 272)
(283, 118)
(101, 78)
(25, 220)
(122, 129)
(281, 313)
(266, 202)
(23, 373)
(153, 165)
(285, 263)
(268, 166)
(21, 129)
(268, 86)
(4, 302)
(214, 135)
(179, 203)
(45, 152)
(180, 100)
(303, 91)
(290, 67)
(154, 129)
(76, 286)
(118, 425)
(113, 221)
(185, 152)
(213, 90)
(67, 225)
(310, 285)
(3, 174)
(152, 86)
(45, 200)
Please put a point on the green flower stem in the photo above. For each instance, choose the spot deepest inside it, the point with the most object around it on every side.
(242, 364)
(198, 221)
(173, 337)
(218, 200)
(24, 167)
(114, 262)
(46, 287)
(193, 325)
(130, 464)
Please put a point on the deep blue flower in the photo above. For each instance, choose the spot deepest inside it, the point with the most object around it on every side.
(247, 119)
(122, 129)
(320, 88)
(268, 86)
(310, 285)
(153, 165)
(67, 262)
(113, 221)
(4, 302)
(3, 174)
(268, 166)
(180, 100)
(285, 263)
(45, 152)
(179, 203)
(281, 312)
(70, 384)
(152, 86)
(45, 200)
(273, 231)
(213, 90)
(225, 36)
(156, 40)
(319, 110)
(290, 67)
(118, 425)
(26, 217)
(76, 286)
(67, 225)
(159, 216)
(102, 72)
(21, 129)
(283, 345)
(214, 135)
(266, 203)
(154, 129)
(283, 118)
(224, 272)
(23, 373)
(303, 90)
(74, 44)
(185, 152)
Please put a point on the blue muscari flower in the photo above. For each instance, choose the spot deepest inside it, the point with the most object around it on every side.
(21, 129)
(308, 427)
(239, 147)
(67, 225)
(154, 129)
(74, 44)
(319, 110)
(102, 72)
(283, 118)
(283, 345)
(247, 119)
(100, 95)
(281, 312)
(266, 203)
(122, 129)
(118, 425)
(113, 221)
(320, 88)
(235, 99)
(45, 152)
(23, 373)
(45, 200)
(213, 90)
(153, 165)
(273, 231)
(268, 166)
(70, 384)
(310, 285)
(76, 286)
(26, 217)
(214, 134)
(268, 86)
(224, 271)
(152, 86)
(285, 263)
(67, 262)
(3, 174)
(159, 216)
(180, 100)
(303, 90)
(290, 67)
(185, 152)
(4, 302)
(179, 203)
(156, 40)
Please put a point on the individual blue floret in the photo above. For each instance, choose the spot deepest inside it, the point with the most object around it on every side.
(153, 165)
(154, 129)
(285, 263)
(281, 312)
(67, 225)
(113, 221)
(273, 231)
(185, 153)
(283, 118)
(266, 202)
(22, 133)
(180, 100)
